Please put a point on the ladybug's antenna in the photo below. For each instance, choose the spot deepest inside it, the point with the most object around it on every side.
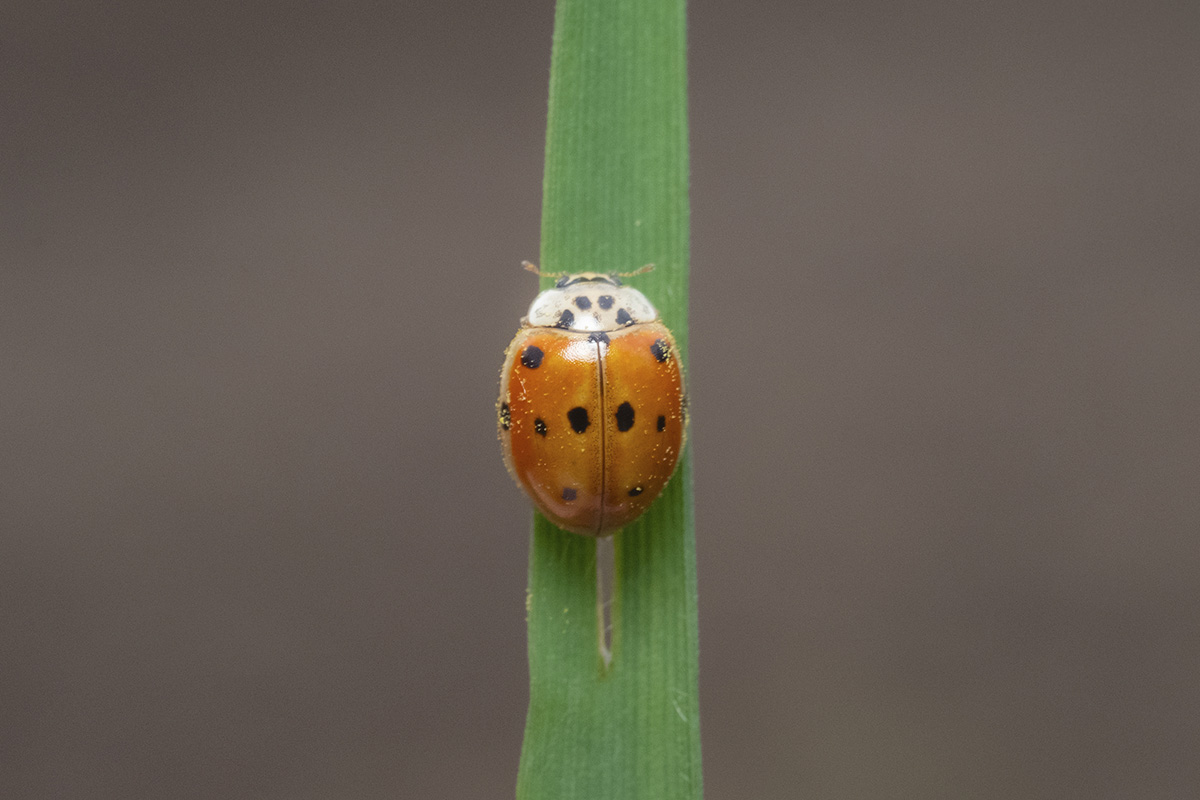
(640, 271)
(536, 270)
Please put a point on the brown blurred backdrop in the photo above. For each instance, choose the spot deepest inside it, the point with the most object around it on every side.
(258, 265)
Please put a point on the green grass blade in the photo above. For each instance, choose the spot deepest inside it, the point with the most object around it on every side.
(615, 199)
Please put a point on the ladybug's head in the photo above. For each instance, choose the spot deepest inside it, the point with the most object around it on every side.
(609, 278)
(566, 279)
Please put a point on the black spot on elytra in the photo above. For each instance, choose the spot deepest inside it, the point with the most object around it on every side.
(623, 317)
(568, 494)
(578, 418)
(531, 357)
(561, 282)
(605, 301)
(565, 319)
(505, 416)
(662, 423)
(583, 303)
(661, 349)
(635, 491)
(539, 426)
(624, 416)
(598, 336)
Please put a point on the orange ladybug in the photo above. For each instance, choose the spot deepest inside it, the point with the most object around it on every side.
(592, 411)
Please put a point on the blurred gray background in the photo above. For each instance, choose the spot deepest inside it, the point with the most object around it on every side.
(258, 265)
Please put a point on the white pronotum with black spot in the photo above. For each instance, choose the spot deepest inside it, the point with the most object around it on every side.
(590, 301)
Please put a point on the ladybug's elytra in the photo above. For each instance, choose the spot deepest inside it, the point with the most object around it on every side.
(592, 410)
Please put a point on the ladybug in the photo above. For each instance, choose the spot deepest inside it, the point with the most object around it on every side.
(592, 411)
